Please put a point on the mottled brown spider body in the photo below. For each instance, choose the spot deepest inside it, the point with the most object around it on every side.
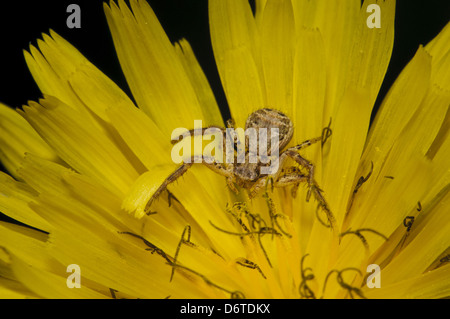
(248, 174)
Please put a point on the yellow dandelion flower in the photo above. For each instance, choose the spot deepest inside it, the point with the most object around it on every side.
(85, 162)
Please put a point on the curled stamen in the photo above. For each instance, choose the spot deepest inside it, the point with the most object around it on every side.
(350, 289)
(184, 240)
(276, 216)
(326, 280)
(270, 205)
(237, 295)
(363, 179)
(320, 219)
(360, 182)
(273, 215)
(419, 206)
(240, 205)
(271, 182)
(326, 133)
(408, 222)
(256, 224)
(324, 205)
(152, 248)
(361, 237)
(233, 294)
(170, 196)
(254, 220)
(303, 289)
(237, 216)
(261, 231)
(250, 264)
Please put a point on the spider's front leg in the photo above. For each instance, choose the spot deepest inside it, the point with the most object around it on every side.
(282, 181)
(292, 153)
(219, 168)
(306, 164)
(291, 179)
(172, 177)
(313, 186)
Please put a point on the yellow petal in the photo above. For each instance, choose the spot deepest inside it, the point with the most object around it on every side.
(416, 257)
(277, 46)
(126, 264)
(47, 79)
(79, 194)
(27, 244)
(430, 285)
(47, 284)
(369, 59)
(309, 85)
(81, 145)
(398, 107)
(338, 24)
(55, 64)
(234, 41)
(441, 170)
(12, 289)
(426, 121)
(153, 69)
(144, 188)
(342, 25)
(86, 231)
(141, 135)
(393, 194)
(17, 137)
(241, 84)
(209, 208)
(200, 83)
(259, 9)
(438, 47)
(32, 264)
(309, 82)
(97, 91)
(349, 131)
(14, 199)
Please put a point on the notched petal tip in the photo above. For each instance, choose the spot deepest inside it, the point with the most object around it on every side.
(143, 189)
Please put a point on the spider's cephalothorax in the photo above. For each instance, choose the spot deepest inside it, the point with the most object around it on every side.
(248, 174)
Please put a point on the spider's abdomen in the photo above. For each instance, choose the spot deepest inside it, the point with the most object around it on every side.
(270, 118)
